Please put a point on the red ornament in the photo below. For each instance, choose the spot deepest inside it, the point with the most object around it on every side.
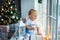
(15, 9)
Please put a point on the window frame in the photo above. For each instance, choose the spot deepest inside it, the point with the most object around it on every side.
(50, 10)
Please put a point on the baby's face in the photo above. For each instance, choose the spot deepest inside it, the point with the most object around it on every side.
(33, 16)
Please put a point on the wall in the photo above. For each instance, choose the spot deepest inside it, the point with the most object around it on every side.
(26, 5)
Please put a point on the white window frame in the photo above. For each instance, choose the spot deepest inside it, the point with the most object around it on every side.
(50, 10)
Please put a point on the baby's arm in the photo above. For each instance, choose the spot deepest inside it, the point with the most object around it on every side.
(30, 28)
(38, 31)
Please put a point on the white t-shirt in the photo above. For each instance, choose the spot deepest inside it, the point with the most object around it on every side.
(31, 23)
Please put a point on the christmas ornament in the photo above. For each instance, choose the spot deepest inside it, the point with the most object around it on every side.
(13, 17)
(6, 11)
(4, 22)
(16, 17)
(15, 9)
(6, 16)
(13, 1)
(2, 9)
(11, 12)
(0, 16)
(2, 19)
(9, 20)
(6, 6)
(9, 3)
(11, 7)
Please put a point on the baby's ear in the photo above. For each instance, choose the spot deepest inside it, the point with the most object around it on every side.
(24, 20)
(29, 15)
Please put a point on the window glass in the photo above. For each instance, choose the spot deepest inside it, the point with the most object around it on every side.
(59, 7)
(54, 8)
(53, 28)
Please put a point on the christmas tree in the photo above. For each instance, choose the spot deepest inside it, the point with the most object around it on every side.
(9, 13)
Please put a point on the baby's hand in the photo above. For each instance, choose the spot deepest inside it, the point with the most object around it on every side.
(32, 28)
(39, 34)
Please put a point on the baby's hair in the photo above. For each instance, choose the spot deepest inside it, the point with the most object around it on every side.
(31, 10)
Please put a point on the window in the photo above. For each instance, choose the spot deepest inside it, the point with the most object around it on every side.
(59, 7)
(52, 7)
(48, 14)
(58, 28)
(49, 17)
(42, 10)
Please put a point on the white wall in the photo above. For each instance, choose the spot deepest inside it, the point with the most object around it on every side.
(26, 5)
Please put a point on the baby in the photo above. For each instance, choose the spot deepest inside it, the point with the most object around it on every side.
(32, 23)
